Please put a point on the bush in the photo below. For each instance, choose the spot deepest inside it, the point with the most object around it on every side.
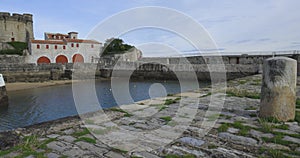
(18, 48)
(11, 52)
(19, 45)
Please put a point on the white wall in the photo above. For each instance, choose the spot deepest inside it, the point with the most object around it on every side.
(84, 49)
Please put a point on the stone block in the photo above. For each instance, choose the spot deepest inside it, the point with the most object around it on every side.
(278, 92)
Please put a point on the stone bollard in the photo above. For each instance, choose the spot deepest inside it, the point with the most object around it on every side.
(3, 93)
(278, 91)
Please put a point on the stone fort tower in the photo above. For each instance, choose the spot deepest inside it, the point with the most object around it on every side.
(16, 27)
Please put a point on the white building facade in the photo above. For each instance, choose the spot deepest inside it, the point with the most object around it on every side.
(63, 48)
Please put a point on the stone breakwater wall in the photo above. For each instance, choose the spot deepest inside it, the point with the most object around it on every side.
(136, 70)
(178, 71)
(244, 58)
(15, 69)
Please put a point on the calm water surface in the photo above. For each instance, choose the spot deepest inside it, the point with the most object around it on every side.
(31, 106)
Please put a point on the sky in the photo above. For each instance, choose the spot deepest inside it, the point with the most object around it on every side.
(232, 25)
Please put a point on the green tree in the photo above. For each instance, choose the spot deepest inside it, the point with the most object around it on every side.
(115, 45)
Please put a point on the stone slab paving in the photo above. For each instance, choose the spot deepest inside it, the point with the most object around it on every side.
(182, 125)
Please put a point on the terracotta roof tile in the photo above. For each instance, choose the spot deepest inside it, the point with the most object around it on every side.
(48, 42)
(82, 41)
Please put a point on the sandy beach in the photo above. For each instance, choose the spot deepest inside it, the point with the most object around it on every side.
(28, 85)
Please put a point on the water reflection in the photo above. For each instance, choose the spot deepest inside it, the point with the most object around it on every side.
(37, 105)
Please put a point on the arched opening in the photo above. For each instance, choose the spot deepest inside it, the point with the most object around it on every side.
(43, 60)
(78, 58)
(61, 59)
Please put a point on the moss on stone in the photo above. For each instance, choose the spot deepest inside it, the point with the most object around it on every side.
(86, 139)
(233, 92)
(223, 128)
(166, 118)
(81, 133)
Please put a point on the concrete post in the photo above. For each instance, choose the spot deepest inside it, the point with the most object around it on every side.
(278, 92)
(3, 93)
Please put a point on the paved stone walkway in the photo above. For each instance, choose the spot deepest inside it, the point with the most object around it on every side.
(181, 125)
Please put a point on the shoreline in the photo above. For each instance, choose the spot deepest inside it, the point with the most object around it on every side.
(17, 86)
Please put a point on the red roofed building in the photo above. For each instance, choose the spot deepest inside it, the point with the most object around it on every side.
(63, 48)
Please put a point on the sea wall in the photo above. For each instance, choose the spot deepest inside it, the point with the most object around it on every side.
(15, 70)
(257, 58)
(21, 72)
(178, 71)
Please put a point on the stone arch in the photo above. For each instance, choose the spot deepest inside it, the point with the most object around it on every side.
(43, 60)
(61, 59)
(77, 58)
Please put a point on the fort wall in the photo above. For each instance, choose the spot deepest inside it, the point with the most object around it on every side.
(16, 27)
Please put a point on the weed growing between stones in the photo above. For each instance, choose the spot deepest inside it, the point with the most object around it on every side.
(253, 115)
(177, 156)
(265, 125)
(162, 108)
(271, 152)
(251, 108)
(277, 139)
(297, 117)
(234, 92)
(86, 139)
(256, 82)
(208, 94)
(298, 103)
(166, 118)
(28, 146)
(242, 81)
(243, 130)
(169, 101)
(81, 133)
(213, 117)
(89, 121)
(212, 146)
(126, 114)
(223, 128)
(282, 126)
(119, 150)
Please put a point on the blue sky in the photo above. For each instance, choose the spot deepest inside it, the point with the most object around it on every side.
(235, 25)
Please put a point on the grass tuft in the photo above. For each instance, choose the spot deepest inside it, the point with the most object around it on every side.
(166, 118)
(223, 128)
(233, 92)
(297, 117)
(266, 126)
(126, 114)
(81, 133)
(86, 139)
(169, 101)
(282, 126)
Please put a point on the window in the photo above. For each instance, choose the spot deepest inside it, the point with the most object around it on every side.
(47, 46)
(92, 46)
(72, 45)
(64, 47)
(55, 47)
(77, 45)
(38, 46)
